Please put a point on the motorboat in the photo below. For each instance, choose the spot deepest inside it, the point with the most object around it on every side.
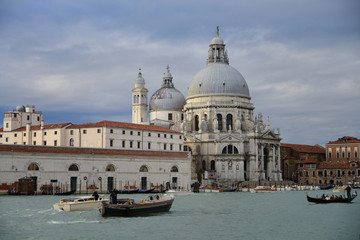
(81, 203)
(128, 207)
(263, 189)
(179, 192)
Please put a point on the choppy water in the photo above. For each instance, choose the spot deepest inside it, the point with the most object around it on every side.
(239, 215)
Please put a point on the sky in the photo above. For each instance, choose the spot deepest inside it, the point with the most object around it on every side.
(77, 60)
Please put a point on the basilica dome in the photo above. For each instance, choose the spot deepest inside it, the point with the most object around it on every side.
(167, 97)
(218, 79)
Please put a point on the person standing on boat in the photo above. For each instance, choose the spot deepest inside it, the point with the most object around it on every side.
(348, 191)
(95, 195)
(113, 197)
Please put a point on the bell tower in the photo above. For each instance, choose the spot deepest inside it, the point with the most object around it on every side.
(139, 100)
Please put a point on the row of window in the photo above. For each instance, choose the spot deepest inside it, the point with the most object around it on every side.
(131, 144)
(212, 166)
(34, 142)
(99, 131)
(24, 134)
(109, 168)
(343, 154)
(219, 118)
(130, 132)
(339, 173)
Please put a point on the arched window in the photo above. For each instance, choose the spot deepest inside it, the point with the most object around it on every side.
(73, 167)
(230, 149)
(236, 150)
(196, 122)
(212, 165)
(71, 142)
(33, 167)
(203, 165)
(174, 169)
(219, 119)
(143, 168)
(110, 168)
(229, 122)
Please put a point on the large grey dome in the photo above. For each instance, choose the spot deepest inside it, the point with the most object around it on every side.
(167, 97)
(218, 79)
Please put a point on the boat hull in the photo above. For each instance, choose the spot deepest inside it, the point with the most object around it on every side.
(136, 209)
(339, 200)
(69, 205)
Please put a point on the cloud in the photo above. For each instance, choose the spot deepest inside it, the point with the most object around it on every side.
(77, 61)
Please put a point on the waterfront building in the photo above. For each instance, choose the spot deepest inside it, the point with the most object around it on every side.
(342, 165)
(328, 173)
(344, 149)
(215, 122)
(228, 144)
(293, 154)
(89, 169)
(76, 155)
(104, 134)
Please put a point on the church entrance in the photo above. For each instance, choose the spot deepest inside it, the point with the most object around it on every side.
(110, 184)
(143, 183)
(73, 181)
(266, 157)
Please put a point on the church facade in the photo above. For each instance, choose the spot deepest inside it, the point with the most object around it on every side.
(228, 143)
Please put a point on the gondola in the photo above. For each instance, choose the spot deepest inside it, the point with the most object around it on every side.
(66, 193)
(146, 191)
(126, 191)
(338, 200)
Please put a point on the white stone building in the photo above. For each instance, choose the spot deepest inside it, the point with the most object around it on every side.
(227, 142)
(87, 169)
(106, 154)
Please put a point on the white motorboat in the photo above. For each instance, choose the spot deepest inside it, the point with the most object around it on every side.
(82, 203)
(179, 192)
(263, 189)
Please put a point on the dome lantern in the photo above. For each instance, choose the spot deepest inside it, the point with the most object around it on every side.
(217, 52)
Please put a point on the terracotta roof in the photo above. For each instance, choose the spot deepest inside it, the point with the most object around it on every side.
(304, 148)
(1, 129)
(94, 151)
(47, 126)
(123, 125)
(345, 139)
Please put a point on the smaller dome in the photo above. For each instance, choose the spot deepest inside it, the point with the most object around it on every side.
(167, 98)
(20, 108)
(217, 40)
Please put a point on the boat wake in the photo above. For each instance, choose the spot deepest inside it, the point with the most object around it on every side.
(71, 222)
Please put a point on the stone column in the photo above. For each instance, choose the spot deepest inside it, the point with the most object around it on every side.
(253, 169)
(262, 175)
(241, 168)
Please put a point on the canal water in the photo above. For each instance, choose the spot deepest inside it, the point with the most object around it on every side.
(236, 215)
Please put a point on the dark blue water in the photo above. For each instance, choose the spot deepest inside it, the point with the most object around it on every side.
(239, 215)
